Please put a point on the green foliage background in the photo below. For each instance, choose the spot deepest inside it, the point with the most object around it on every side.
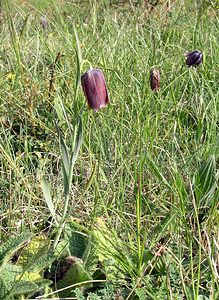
(145, 184)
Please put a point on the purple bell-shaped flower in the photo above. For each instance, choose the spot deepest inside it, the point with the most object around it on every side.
(194, 58)
(95, 90)
(155, 80)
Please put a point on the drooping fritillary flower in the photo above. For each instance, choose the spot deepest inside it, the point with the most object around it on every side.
(194, 58)
(155, 80)
(94, 88)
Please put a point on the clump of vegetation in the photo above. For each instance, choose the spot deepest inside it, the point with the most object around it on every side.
(121, 201)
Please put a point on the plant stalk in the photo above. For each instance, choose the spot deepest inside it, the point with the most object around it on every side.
(62, 222)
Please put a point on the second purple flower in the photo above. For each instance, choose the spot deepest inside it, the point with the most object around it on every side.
(194, 58)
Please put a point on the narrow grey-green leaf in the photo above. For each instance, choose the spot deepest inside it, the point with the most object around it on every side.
(64, 152)
(77, 142)
(76, 149)
(48, 198)
(65, 181)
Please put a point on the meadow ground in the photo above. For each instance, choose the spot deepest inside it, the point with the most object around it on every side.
(137, 215)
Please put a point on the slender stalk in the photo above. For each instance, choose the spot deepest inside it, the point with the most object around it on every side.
(62, 222)
(73, 151)
(138, 208)
(79, 66)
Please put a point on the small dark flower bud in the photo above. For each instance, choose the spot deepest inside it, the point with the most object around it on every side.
(94, 88)
(44, 22)
(194, 58)
(155, 80)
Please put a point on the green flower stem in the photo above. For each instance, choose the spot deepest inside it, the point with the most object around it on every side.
(62, 222)
(74, 151)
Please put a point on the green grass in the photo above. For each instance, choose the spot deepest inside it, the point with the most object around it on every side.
(140, 167)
